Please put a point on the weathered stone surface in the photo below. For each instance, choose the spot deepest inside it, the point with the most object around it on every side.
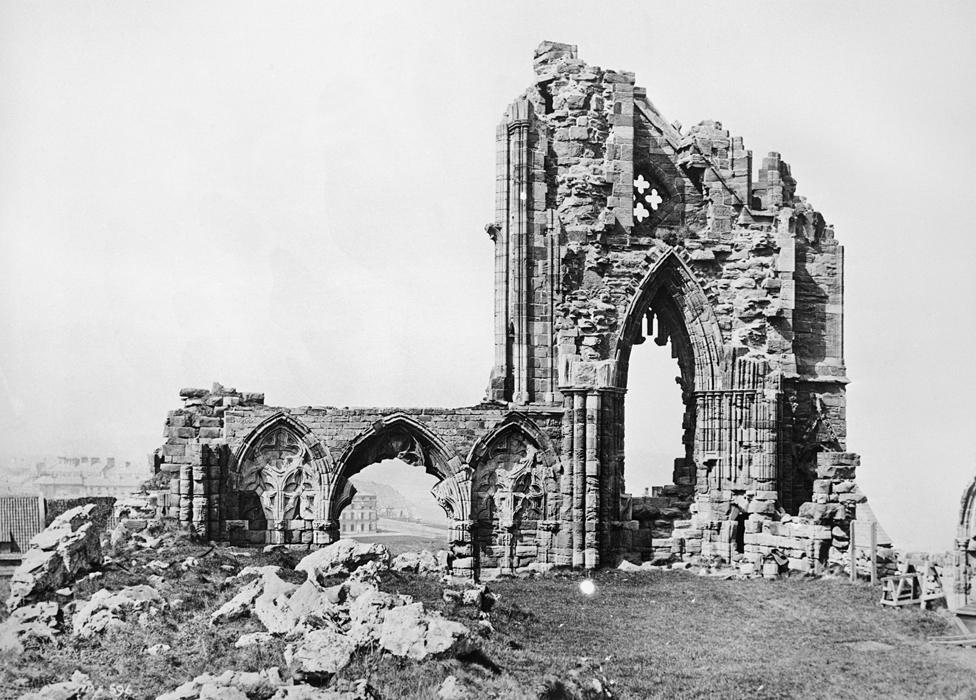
(342, 557)
(320, 654)
(253, 639)
(107, 610)
(41, 621)
(423, 562)
(60, 553)
(229, 685)
(411, 632)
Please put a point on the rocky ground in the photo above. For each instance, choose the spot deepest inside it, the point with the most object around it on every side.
(153, 615)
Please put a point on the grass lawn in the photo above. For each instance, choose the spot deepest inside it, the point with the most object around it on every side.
(655, 634)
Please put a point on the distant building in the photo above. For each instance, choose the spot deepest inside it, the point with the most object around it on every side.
(397, 512)
(359, 517)
(74, 477)
(21, 517)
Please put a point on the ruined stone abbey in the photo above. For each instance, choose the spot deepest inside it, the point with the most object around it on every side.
(612, 226)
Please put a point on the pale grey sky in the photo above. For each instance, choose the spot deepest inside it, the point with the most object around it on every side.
(290, 198)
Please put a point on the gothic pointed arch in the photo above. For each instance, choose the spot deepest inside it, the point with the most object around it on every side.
(670, 291)
(515, 492)
(518, 421)
(396, 436)
(280, 470)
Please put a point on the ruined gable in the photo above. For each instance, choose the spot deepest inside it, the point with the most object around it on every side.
(612, 226)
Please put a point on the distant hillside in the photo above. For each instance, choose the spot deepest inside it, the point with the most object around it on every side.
(386, 495)
(402, 486)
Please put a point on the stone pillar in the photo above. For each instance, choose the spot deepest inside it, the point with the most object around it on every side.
(462, 547)
(519, 191)
(505, 539)
(961, 583)
(591, 556)
(320, 532)
(276, 531)
(564, 537)
(547, 538)
(579, 478)
(186, 495)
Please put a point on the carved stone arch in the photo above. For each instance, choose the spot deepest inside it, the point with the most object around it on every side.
(515, 420)
(396, 436)
(670, 288)
(515, 494)
(285, 467)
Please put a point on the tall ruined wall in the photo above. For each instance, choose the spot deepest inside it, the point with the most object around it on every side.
(612, 227)
(613, 224)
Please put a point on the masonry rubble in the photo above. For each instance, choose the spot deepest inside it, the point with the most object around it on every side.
(67, 548)
(326, 622)
(612, 225)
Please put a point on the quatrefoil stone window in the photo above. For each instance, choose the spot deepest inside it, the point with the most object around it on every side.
(652, 198)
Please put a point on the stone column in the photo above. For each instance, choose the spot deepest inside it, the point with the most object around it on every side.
(186, 495)
(276, 531)
(320, 532)
(564, 537)
(591, 555)
(518, 233)
(579, 478)
(961, 583)
(462, 547)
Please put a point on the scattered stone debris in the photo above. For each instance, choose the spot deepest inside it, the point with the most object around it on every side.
(476, 595)
(265, 685)
(40, 621)
(585, 682)
(107, 610)
(327, 624)
(424, 562)
(58, 555)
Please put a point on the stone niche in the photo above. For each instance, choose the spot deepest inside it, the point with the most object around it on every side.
(612, 226)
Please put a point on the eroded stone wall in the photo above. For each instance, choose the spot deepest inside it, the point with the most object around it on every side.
(612, 227)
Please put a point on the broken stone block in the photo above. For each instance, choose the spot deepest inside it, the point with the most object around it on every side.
(409, 631)
(59, 554)
(342, 557)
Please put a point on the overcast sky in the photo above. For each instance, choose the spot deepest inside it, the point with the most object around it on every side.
(290, 198)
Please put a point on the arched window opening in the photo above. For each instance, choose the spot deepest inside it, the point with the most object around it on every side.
(659, 427)
(393, 505)
(653, 419)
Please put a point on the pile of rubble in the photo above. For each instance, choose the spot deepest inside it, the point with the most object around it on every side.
(338, 610)
(324, 619)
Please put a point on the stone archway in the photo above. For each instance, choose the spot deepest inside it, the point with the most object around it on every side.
(669, 305)
(399, 436)
(729, 436)
(277, 483)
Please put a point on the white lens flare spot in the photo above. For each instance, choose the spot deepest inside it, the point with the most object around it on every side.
(587, 587)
